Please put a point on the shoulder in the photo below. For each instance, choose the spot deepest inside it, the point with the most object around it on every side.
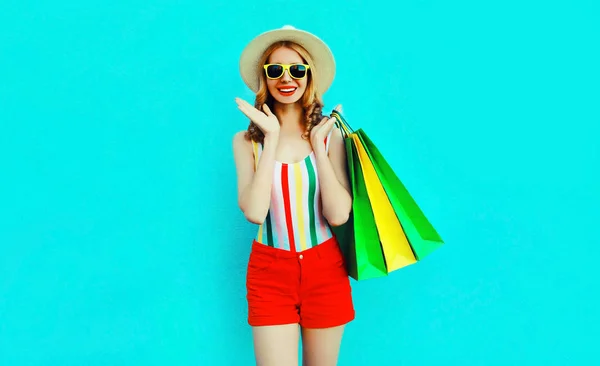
(240, 136)
(240, 140)
(242, 144)
(336, 134)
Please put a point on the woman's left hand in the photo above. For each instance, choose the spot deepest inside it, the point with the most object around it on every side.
(320, 131)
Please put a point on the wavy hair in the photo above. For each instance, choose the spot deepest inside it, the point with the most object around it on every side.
(311, 100)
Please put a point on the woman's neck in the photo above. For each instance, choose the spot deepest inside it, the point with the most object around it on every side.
(290, 116)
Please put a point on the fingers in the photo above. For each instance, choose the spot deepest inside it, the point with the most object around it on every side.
(267, 110)
(324, 125)
(249, 110)
(240, 102)
(329, 124)
(325, 129)
(243, 107)
(338, 108)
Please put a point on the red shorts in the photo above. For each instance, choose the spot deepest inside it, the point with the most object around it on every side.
(311, 287)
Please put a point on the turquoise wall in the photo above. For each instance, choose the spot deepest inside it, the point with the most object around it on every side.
(120, 238)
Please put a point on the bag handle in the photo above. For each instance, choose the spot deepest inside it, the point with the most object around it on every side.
(342, 123)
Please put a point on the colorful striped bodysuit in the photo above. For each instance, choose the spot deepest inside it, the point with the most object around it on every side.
(295, 219)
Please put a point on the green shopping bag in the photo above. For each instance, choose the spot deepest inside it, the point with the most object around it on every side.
(358, 237)
(421, 235)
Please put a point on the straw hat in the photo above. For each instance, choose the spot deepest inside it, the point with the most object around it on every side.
(322, 56)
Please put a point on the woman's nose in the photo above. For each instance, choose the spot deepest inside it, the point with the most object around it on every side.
(286, 76)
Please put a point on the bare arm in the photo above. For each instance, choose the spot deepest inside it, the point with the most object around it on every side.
(333, 179)
(254, 187)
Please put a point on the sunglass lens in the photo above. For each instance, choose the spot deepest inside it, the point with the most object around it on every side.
(274, 71)
(298, 71)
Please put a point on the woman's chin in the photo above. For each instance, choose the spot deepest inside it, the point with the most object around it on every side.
(287, 99)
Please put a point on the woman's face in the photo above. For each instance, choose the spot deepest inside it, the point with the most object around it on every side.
(286, 90)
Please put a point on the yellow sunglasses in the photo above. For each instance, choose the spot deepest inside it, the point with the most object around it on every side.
(296, 71)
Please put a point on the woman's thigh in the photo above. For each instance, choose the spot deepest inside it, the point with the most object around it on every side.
(276, 345)
(321, 347)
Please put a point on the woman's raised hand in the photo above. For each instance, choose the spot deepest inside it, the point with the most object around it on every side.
(265, 119)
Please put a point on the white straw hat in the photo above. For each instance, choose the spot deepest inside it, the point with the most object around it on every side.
(322, 56)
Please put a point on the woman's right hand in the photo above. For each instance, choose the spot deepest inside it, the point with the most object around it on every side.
(265, 119)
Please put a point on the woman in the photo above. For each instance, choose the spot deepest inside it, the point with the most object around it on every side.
(292, 182)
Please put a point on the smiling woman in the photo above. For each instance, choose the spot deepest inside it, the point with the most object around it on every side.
(287, 74)
(292, 183)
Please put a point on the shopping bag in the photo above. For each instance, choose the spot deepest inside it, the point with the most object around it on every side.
(421, 234)
(358, 237)
(396, 249)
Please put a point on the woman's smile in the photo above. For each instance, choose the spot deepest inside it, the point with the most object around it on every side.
(287, 91)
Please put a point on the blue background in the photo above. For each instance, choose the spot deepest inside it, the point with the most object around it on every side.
(121, 242)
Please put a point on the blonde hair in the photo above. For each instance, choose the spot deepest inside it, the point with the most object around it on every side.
(311, 100)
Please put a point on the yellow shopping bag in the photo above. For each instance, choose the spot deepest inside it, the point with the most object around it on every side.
(396, 248)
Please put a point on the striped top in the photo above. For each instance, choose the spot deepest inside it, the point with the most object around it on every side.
(295, 220)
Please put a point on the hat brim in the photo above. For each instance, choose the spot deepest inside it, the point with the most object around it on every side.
(321, 54)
